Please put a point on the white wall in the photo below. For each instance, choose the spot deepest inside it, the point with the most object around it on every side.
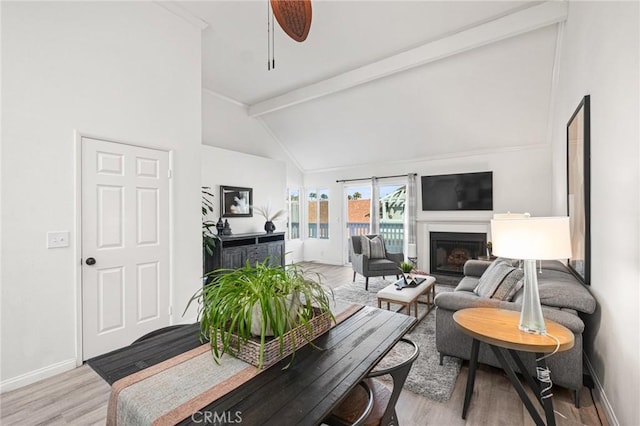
(266, 177)
(124, 71)
(521, 179)
(600, 57)
(225, 124)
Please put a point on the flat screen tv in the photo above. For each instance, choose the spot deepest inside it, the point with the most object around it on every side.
(464, 191)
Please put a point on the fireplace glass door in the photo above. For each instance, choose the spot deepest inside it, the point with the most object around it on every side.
(450, 250)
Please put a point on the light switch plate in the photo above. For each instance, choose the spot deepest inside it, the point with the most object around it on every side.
(57, 239)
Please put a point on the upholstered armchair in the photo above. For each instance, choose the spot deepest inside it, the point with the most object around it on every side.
(369, 260)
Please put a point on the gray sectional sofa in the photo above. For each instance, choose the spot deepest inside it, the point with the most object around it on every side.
(561, 296)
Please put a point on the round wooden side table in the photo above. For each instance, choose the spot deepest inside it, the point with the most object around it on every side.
(498, 328)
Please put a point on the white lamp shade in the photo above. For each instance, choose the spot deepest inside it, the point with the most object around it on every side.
(411, 250)
(535, 238)
(509, 215)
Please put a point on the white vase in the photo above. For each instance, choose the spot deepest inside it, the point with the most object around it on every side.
(292, 306)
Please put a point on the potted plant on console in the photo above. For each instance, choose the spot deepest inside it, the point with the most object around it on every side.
(269, 217)
(262, 313)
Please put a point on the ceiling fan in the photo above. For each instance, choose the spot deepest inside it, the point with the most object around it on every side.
(293, 16)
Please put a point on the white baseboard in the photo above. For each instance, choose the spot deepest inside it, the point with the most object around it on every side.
(37, 375)
(602, 396)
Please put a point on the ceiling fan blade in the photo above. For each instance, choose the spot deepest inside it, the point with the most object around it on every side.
(294, 17)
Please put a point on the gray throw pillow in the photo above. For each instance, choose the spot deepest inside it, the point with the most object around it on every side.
(492, 277)
(364, 242)
(376, 247)
(510, 285)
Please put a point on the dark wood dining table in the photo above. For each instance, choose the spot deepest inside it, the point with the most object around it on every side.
(315, 382)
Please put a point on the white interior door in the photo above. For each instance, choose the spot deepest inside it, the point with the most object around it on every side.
(125, 244)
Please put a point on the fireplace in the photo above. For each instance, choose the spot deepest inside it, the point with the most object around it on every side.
(450, 250)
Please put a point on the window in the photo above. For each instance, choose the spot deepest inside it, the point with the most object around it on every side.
(293, 207)
(318, 213)
(391, 206)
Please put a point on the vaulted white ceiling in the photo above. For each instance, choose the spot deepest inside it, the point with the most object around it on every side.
(380, 80)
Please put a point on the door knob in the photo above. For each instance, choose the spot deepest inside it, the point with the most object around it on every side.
(90, 261)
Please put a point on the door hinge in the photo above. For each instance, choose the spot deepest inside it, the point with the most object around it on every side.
(169, 173)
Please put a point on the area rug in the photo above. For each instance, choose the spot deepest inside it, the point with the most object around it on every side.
(427, 377)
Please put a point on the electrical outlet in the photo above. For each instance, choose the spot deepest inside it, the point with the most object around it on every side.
(57, 239)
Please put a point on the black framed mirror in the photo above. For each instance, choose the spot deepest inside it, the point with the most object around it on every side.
(578, 189)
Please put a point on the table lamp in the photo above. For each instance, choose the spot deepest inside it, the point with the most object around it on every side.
(531, 239)
(411, 253)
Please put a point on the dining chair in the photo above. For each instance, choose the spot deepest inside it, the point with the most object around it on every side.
(383, 411)
(368, 404)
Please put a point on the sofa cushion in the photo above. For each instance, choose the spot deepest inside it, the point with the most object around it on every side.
(468, 283)
(509, 285)
(492, 277)
(559, 288)
(383, 265)
(376, 244)
(475, 267)
(373, 248)
(364, 245)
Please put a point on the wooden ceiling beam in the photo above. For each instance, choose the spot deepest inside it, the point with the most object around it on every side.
(511, 25)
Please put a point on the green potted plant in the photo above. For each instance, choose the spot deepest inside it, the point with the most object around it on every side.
(257, 302)
(208, 238)
(406, 267)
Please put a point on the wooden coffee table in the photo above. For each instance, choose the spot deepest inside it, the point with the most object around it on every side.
(409, 296)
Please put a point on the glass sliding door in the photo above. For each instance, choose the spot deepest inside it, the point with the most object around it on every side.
(357, 213)
(391, 205)
(391, 208)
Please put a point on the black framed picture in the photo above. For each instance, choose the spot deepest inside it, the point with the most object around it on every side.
(578, 191)
(236, 201)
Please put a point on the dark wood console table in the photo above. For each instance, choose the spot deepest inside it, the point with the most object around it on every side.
(233, 251)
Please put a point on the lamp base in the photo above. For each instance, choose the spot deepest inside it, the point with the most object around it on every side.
(531, 319)
(533, 331)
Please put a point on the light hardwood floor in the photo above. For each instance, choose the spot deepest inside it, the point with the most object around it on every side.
(79, 397)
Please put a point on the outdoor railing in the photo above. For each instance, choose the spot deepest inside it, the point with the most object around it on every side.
(322, 234)
(295, 231)
(393, 234)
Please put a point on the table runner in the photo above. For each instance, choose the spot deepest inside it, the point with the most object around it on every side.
(174, 389)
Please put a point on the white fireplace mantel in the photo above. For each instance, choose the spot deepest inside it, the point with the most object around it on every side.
(479, 227)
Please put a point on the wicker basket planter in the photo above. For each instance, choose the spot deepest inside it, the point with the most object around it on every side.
(227, 311)
(293, 340)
